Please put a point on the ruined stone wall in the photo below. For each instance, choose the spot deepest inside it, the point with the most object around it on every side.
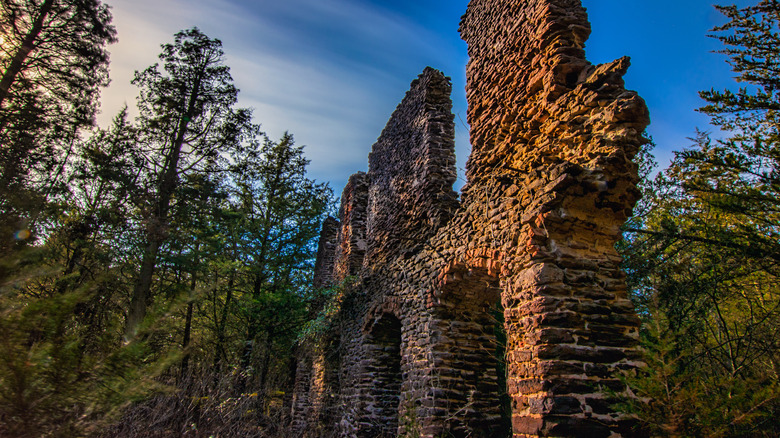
(411, 171)
(351, 249)
(309, 382)
(525, 269)
(326, 254)
(553, 141)
(342, 246)
(410, 196)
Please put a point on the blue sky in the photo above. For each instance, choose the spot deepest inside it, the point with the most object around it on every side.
(332, 71)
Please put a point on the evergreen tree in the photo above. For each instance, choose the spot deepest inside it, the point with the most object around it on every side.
(187, 123)
(703, 264)
(61, 304)
(53, 61)
(283, 211)
(193, 217)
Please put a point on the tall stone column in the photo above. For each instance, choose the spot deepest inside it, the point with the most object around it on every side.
(553, 138)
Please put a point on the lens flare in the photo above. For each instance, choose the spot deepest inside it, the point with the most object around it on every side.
(22, 235)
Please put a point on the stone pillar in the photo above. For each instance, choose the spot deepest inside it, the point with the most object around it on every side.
(308, 388)
(553, 137)
(301, 405)
(351, 247)
(326, 254)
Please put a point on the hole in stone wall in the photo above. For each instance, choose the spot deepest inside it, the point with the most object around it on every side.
(472, 348)
(385, 370)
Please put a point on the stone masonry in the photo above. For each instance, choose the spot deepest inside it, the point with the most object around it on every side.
(504, 314)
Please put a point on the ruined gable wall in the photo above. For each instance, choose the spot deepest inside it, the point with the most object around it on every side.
(565, 132)
(410, 196)
(411, 171)
(551, 181)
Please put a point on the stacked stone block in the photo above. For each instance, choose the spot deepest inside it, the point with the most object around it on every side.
(310, 405)
(342, 246)
(326, 254)
(352, 244)
(557, 152)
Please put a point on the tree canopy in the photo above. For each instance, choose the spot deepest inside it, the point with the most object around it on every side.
(54, 61)
(703, 260)
(177, 252)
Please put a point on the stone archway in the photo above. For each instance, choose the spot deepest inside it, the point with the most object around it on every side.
(383, 367)
(469, 377)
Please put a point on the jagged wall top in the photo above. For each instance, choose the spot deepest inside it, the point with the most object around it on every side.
(411, 170)
(550, 183)
(534, 98)
(326, 254)
(351, 243)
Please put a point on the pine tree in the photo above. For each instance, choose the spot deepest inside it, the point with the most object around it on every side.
(188, 122)
(283, 211)
(53, 61)
(704, 261)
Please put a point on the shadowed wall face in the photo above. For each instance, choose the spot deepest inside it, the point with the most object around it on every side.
(411, 171)
(351, 245)
(326, 254)
(384, 369)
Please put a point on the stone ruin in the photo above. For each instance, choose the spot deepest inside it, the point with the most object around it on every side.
(504, 313)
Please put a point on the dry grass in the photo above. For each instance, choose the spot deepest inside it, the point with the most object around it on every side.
(199, 409)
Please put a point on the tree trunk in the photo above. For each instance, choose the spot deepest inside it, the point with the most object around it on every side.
(156, 232)
(253, 327)
(140, 299)
(185, 362)
(220, 348)
(185, 343)
(28, 44)
(265, 364)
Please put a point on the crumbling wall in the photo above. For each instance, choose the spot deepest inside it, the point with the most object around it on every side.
(411, 171)
(351, 249)
(326, 254)
(340, 252)
(410, 196)
(309, 385)
(509, 315)
(553, 141)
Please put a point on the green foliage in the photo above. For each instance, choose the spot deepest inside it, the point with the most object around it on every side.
(677, 397)
(282, 213)
(62, 373)
(186, 228)
(53, 62)
(331, 300)
(188, 124)
(703, 257)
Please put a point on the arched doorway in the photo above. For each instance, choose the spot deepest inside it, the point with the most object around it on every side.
(384, 368)
(468, 342)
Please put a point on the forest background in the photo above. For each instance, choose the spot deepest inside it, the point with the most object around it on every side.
(155, 274)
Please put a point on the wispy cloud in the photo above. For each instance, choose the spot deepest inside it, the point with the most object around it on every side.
(332, 71)
(329, 72)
